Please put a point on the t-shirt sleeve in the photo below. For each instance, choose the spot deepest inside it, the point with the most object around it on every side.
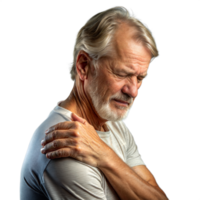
(67, 178)
(133, 158)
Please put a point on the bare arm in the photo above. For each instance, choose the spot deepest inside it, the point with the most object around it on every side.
(131, 183)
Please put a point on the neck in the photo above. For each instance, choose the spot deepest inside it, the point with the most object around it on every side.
(81, 104)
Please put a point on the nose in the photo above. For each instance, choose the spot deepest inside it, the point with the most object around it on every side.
(131, 88)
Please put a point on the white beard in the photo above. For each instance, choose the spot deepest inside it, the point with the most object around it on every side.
(104, 109)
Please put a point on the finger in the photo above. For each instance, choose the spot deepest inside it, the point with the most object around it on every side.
(57, 134)
(53, 136)
(59, 153)
(79, 119)
(62, 125)
(52, 146)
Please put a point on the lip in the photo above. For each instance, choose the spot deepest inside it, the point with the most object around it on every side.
(121, 102)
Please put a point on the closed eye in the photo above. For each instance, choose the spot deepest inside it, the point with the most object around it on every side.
(123, 76)
(140, 79)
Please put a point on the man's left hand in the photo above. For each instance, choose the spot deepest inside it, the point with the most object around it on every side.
(76, 139)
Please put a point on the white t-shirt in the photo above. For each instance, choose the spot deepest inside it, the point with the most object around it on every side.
(67, 178)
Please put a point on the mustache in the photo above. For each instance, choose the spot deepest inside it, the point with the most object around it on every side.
(122, 97)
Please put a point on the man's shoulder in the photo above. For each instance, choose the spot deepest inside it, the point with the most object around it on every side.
(70, 169)
(73, 179)
(70, 177)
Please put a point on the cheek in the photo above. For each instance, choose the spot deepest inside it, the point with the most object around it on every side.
(114, 85)
(109, 85)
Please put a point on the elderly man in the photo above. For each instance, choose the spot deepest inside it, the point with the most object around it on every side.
(100, 159)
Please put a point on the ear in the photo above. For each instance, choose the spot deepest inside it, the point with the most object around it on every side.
(83, 65)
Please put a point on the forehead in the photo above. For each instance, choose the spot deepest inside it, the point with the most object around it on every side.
(127, 50)
(132, 58)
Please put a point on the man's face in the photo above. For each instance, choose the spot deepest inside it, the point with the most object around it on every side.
(118, 79)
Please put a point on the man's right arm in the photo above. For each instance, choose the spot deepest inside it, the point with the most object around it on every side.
(68, 178)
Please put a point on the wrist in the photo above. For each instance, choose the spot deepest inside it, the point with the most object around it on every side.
(108, 160)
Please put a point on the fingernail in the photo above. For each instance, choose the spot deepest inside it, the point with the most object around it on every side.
(48, 155)
(42, 150)
(42, 142)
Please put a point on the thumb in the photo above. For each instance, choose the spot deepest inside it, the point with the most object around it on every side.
(78, 119)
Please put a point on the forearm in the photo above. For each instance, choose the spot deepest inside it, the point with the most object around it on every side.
(127, 183)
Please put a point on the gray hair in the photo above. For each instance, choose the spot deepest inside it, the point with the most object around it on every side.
(95, 37)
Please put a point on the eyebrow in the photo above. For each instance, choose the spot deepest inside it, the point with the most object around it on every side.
(130, 73)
